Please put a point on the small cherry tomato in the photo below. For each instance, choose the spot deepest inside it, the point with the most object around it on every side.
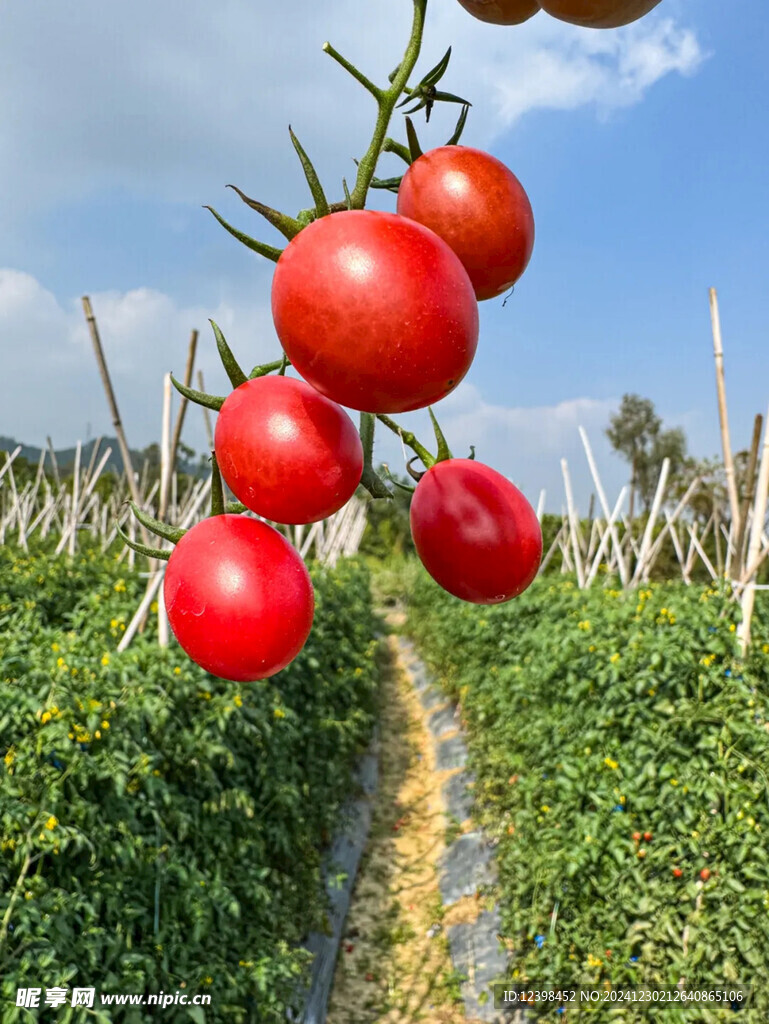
(475, 533)
(647, 836)
(239, 598)
(501, 12)
(478, 207)
(286, 452)
(598, 13)
(677, 872)
(636, 837)
(375, 311)
(705, 874)
(642, 853)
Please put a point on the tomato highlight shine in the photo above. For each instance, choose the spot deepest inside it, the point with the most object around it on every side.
(478, 207)
(475, 532)
(286, 452)
(239, 598)
(375, 311)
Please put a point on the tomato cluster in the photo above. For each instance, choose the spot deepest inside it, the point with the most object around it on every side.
(589, 13)
(377, 312)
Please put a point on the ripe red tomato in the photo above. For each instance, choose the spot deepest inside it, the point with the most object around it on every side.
(648, 836)
(287, 452)
(598, 13)
(375, 311)
(636, 837)
(478, 207)
(474, 531)
(677, 872)
(239, 598)
(501, 12)
(705, 874)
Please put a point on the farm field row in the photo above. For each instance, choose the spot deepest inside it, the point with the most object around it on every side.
(619, 750)
(159, 828)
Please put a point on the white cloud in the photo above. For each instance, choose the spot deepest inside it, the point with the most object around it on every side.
(174, 100)
(144, 333)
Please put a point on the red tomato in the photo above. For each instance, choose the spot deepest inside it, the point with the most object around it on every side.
(239, 598)
(598, 13)
(677, 872)
(705, 874)
(648, 836)
(475, 533)
(478, 207)
(287, 452)
(501, 12)
(375, 311)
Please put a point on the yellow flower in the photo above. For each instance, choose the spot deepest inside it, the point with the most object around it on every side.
(237, 700)
(154, 607)
(672, 619)
(279, 713)
(204, 694)
(9, 758)
(610, 763)
(113, 624)
(105, 724)
(652, 692)
(545, 808)
(52, 822)
(97, 734)
(732, 627)
(55, 647)
(209, 981)
(60, 662)
(614, 659)
(120, 587)
(358, 672)
(593, 961)
(177, 671)
(765, 648)
(105, 659)
(591, 648)
(46, 717)
(674, 782)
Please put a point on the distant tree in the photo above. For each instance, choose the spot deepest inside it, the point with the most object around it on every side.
(635, 432)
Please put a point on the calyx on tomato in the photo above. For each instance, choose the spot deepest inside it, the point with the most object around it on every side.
(375, 311)
(286, 452)
(475, 532)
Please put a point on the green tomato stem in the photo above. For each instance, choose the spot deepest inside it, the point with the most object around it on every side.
(409, 439)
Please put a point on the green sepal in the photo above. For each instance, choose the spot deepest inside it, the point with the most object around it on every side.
(171, 533)
(449, 97)
(437, 73)
(396, 483)
(265, 368)
(283, 364)
(347, 196)
(471, 456)
(391, 146)
(316, 189)
(214, 402)
(268, 251)
(217, 491)
(443, 449)
(229, 362)
(388, 184)
(414, 148)
(289, 227)
(454, 140)
(142, 549)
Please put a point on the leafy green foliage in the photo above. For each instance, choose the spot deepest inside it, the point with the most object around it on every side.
(160, 828)
(595, 715)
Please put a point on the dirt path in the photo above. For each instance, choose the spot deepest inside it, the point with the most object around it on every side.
(394, 965)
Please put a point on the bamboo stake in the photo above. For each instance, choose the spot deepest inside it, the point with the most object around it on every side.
(541, 505)
(551, 551)
(573, 525)
(650, 522)
(8, 460)
(112, 402)
(718, 351)
(623, 572)
(603, 544)
(75, 498)
(54, 464)
(206, 414)
(749, 495)
(180, 415)
(756, 531)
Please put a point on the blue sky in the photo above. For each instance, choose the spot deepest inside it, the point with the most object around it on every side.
(644, 152)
